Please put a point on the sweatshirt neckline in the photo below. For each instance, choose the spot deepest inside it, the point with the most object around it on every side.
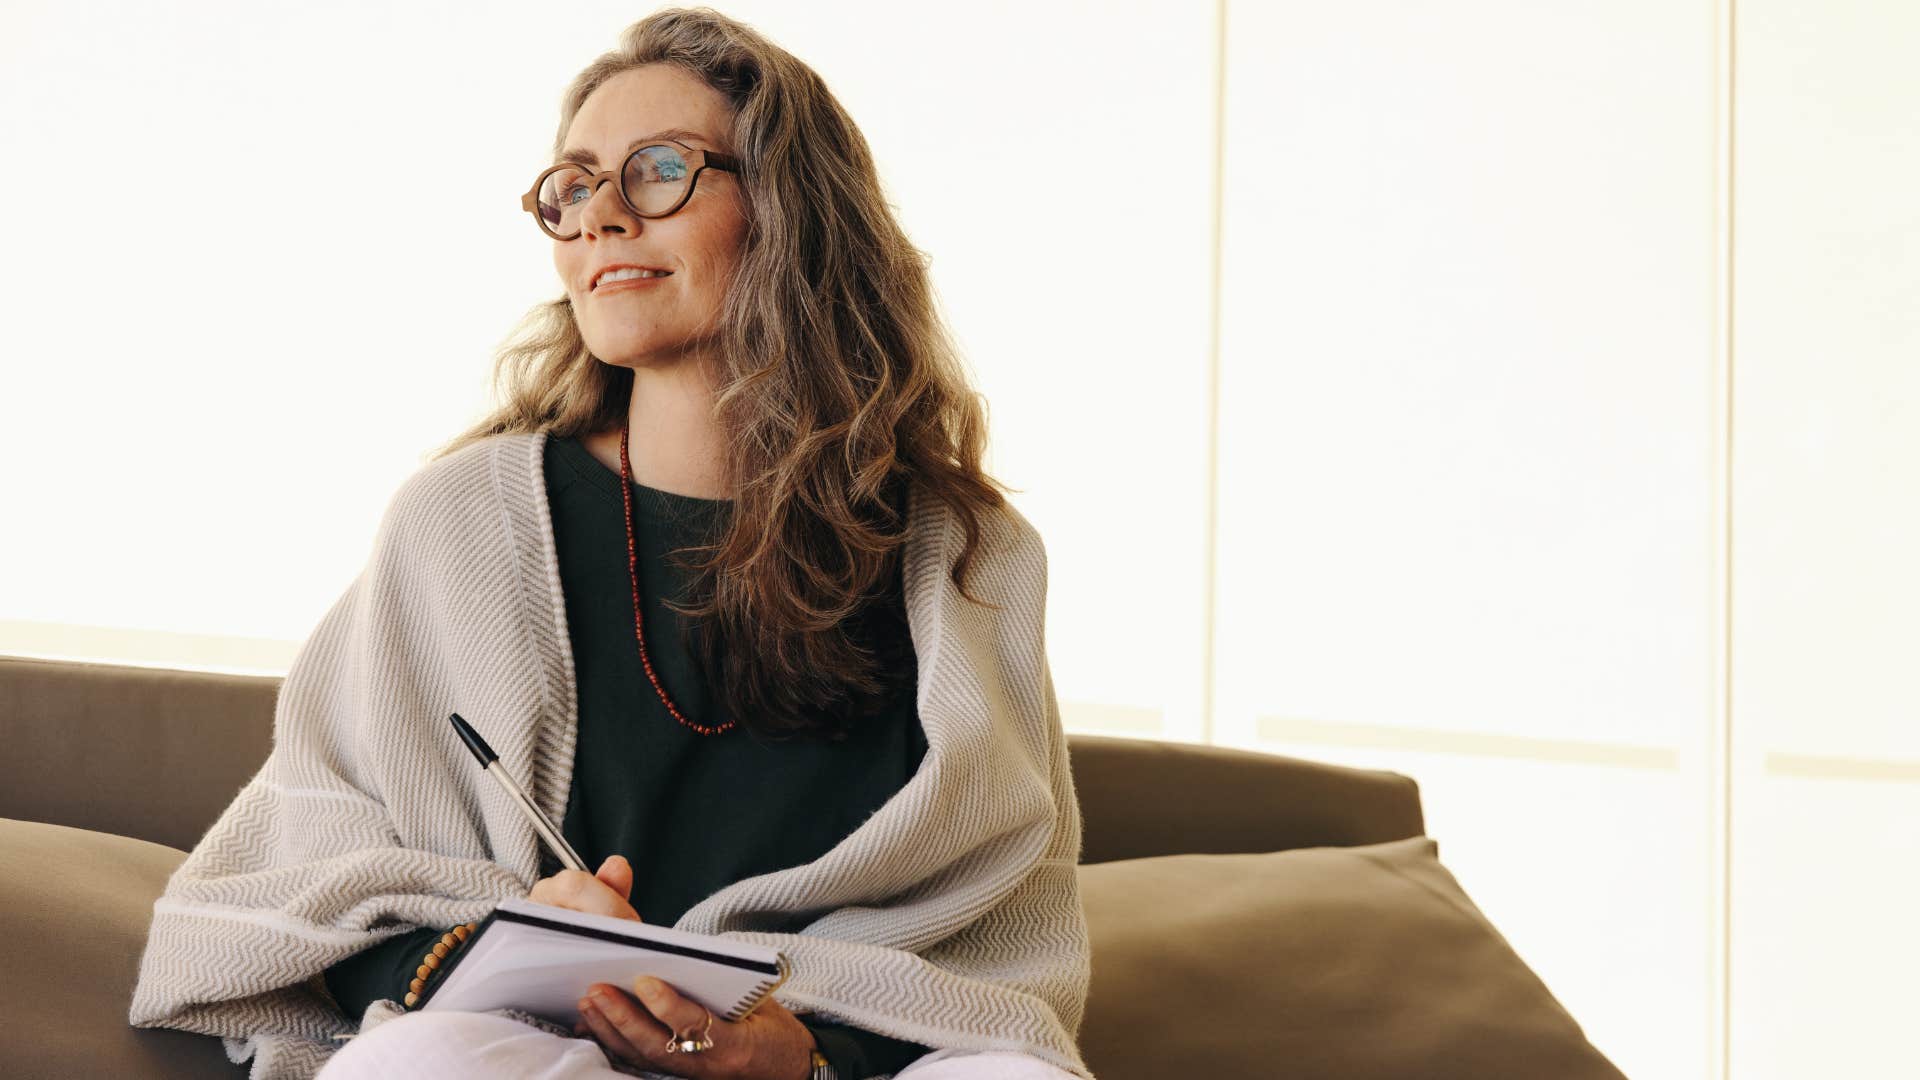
(649, 501)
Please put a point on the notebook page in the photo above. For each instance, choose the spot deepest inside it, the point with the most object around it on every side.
(544, 970)
(646, 931)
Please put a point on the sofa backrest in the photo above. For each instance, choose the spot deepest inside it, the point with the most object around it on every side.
(157, 753)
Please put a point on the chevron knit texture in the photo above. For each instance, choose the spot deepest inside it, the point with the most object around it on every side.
(950, 917)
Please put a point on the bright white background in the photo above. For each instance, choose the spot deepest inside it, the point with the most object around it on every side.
(1518, 396)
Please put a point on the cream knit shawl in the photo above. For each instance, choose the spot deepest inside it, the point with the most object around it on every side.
(950, 917)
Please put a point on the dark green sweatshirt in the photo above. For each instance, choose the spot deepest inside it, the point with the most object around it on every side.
(692, 813)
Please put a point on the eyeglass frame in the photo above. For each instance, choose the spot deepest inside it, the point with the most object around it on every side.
(705, 159)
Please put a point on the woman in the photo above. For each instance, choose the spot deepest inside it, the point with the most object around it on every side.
(844, 745)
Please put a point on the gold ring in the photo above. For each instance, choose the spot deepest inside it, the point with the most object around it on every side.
(678, 1044)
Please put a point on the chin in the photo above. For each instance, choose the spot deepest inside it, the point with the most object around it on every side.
(628, 356)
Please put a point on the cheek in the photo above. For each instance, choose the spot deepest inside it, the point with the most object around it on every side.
(566, 264)
(721, 241)
(720, 255)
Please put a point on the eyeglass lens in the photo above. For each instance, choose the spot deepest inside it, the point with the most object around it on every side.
(654, 177)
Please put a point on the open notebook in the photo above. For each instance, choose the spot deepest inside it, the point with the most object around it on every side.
(540, 959)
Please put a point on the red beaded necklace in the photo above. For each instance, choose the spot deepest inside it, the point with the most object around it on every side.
(633, 575)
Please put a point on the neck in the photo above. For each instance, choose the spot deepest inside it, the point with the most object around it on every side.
(672, 441)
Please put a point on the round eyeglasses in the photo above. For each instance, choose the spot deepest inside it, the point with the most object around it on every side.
(655, 180)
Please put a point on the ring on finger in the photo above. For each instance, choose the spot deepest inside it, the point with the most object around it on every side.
(682, 1044)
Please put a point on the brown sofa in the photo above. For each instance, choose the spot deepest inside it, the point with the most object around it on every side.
(1252, 915)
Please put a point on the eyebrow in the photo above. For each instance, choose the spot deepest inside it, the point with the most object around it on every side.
(588, 157)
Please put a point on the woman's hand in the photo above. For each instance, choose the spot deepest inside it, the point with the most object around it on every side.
(603, 892)
(769, 1044)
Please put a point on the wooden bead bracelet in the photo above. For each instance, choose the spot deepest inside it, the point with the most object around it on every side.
(448, 942)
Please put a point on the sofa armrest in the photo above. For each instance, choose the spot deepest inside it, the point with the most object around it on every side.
(1146, 797)
(74, 910)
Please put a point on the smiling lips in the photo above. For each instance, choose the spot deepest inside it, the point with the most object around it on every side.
(619, 272)
(624, 284)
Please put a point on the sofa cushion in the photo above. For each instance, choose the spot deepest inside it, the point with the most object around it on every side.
(74, 910)
(1350, 962)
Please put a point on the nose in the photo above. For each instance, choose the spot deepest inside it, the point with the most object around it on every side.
(605, 211)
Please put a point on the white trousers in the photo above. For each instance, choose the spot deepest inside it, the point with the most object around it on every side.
(467, 1046)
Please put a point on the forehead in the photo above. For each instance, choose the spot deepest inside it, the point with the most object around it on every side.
(643, 103)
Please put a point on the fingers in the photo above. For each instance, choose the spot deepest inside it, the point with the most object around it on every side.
(617, 873)
(611, 1034)
(636, 1029)
(581, 891)
(666, 1006)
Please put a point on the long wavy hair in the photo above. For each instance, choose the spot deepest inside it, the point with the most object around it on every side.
(838, 386)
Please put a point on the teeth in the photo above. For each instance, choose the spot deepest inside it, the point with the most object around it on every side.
(628, 274)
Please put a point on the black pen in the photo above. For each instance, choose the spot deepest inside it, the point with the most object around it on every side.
(542, 824)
